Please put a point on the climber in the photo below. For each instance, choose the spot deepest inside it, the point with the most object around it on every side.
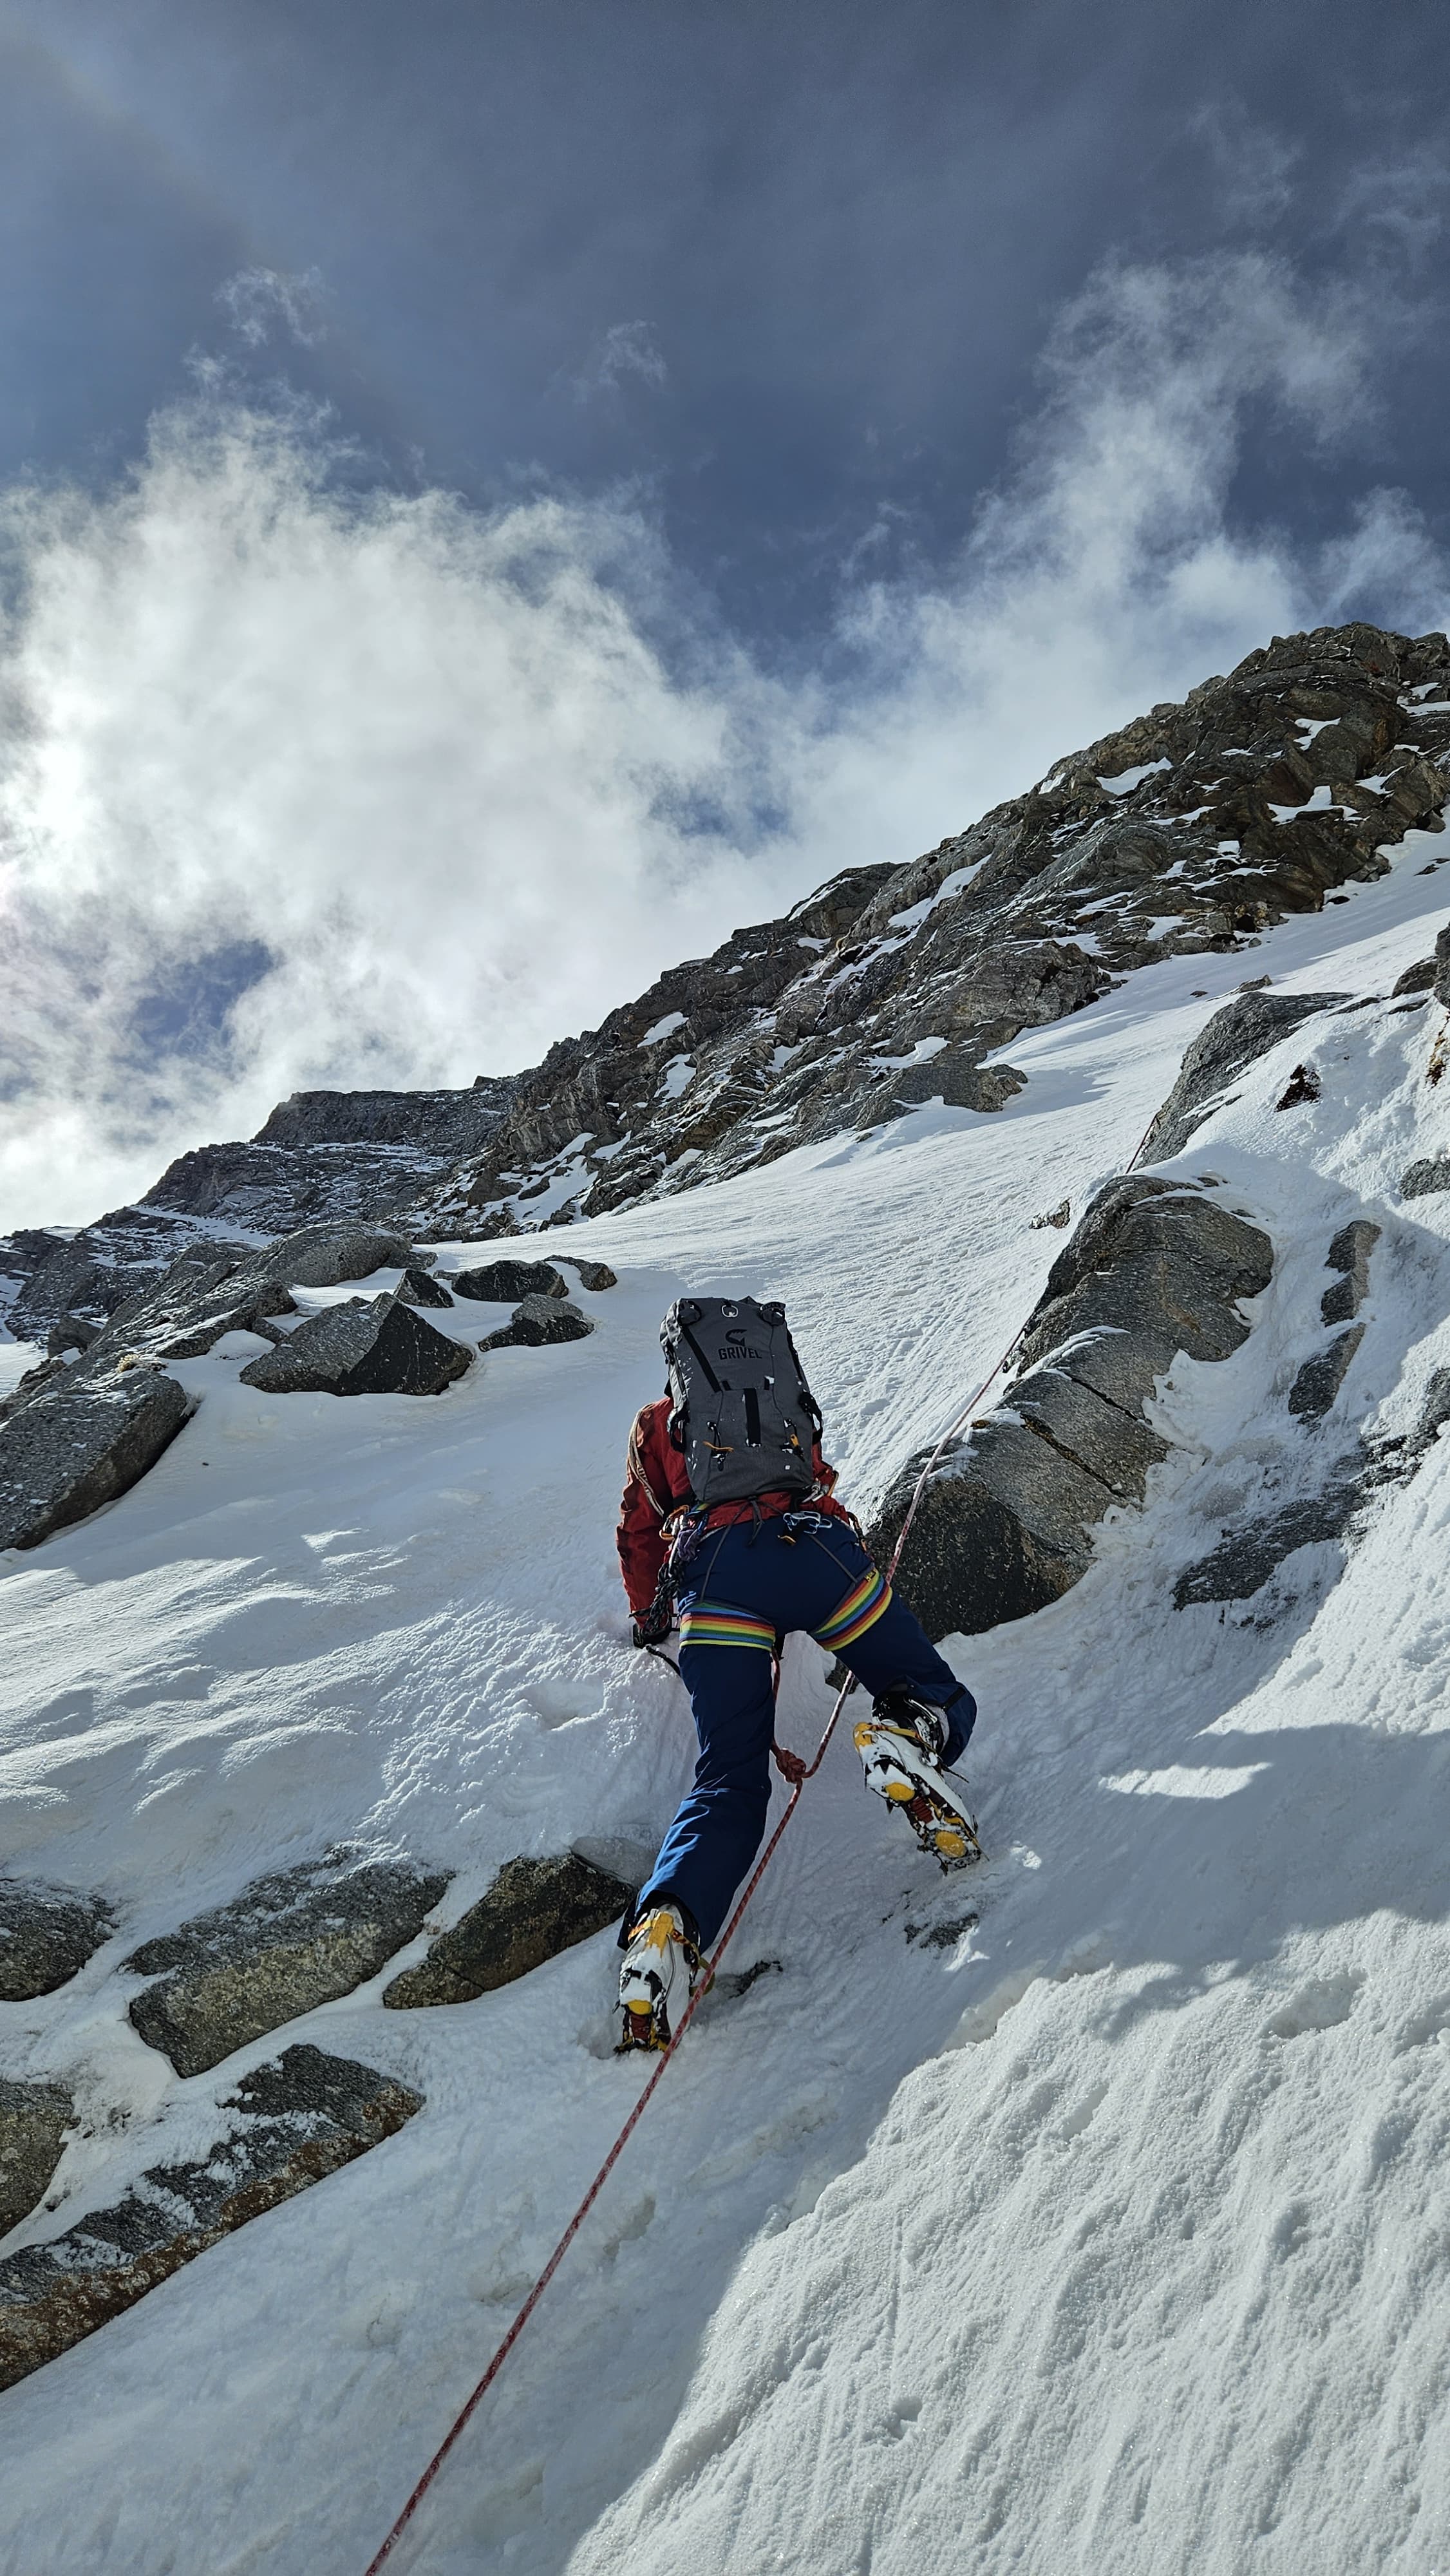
(730, 1521)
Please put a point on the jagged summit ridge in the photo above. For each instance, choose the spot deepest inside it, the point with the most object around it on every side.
(1192, 828)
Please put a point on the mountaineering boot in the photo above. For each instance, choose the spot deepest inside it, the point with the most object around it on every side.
(901, 1745)
(660, 1956)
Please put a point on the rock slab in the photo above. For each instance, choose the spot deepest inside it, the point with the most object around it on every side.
(288, 1943)
(1004, 1525)
(33, 2122)
(80, 1443)
(368, 1346)
(46, 1936)
(534, 1909)
(300, 2119)
(1245, 1029)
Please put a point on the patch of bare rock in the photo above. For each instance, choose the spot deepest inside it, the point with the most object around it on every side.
(295, 2122)
(533, 1910)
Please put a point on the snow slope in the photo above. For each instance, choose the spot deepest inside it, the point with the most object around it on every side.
(1105, 2231)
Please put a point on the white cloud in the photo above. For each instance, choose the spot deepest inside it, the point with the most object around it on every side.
(626, 349)
(263, 300)
(433, 765)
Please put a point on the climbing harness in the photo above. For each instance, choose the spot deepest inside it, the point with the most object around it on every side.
(796, 1771)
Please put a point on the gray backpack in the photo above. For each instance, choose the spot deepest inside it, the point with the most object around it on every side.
(742, 1415)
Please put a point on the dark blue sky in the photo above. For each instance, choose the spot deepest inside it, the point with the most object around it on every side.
(789, 265)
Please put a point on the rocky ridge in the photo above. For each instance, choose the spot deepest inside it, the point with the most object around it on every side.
(1192, 828)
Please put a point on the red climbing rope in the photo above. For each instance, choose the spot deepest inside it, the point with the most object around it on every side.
(797, 1771)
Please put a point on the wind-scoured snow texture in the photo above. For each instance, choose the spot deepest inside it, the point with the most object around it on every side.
(1099, 2232)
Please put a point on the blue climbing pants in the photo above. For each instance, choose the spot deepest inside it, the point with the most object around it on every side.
(746, 1588)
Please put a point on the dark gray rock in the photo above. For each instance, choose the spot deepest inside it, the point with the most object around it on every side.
(1426, 1179)
(323, 1256)
(81, 1443)
(534, 1909)
(1302, 1088)
(1441, 986)
(72, 1333)
(499, 1283)
(1004, 1526)
(537, 1321)
(1244, 1558)
(208, 1290)
(285, 1945)
(593, 1275)
(1435, 1412)
(367, 1346)
(1153, 1257)
(443, 1123)
(1419, 978)
(46, 1936)
(956, 1079)
(299, 2120)
(1245, 1029)
(33, 2121)
(1349, 1254)
(1320, 1378)
(416, 1288)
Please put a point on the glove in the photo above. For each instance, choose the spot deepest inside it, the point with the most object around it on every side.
(651, 1627)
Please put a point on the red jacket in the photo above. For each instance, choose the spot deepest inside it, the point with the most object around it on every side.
(658, 1481)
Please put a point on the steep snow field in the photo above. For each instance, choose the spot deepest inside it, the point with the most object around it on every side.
(1106, 2230)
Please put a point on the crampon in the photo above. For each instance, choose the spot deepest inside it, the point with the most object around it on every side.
(660, 1956)
(902, 1769)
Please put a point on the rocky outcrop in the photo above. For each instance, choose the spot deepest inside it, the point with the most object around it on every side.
(1245, 1029)
(1194, 828)
(297, 2120)
(1426, 1179)
(287, 1944)
(81, 1442)
(498, 1283)
(538, 1320)
(1319, 1380)
(46, 1936)
(33, 2121)
(323, 1256)
(534, 1909)
(1004, 1525)
(1349, 1255)
(593, 1275)
(366, 1346)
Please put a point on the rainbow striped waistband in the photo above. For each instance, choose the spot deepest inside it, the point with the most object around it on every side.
(865, 1603)
(714, 1623)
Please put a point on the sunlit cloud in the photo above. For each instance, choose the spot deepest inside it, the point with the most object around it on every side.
(313, 785)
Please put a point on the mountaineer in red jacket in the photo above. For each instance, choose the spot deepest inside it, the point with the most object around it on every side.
(743, 1573)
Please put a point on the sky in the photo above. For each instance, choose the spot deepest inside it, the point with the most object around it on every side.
(493, 496)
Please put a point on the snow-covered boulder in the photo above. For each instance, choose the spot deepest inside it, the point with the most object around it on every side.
(538, 1320)
(33, 2122)
(80, 1442)
(534, 1909)
(285, 1945)
(300, 2118)
(1005, 1523)
(46, 1936)
(369, 1346)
